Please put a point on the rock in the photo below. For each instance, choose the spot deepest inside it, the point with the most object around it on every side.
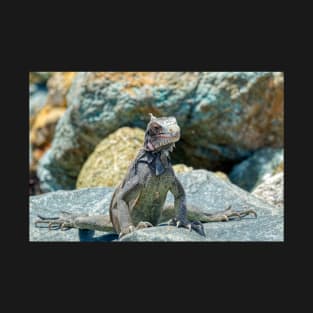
(37, 99)
(88, 200)
(181, 168)
(232, 114)
(109, 162)
(32, 89)
(257, 168)
(204, 190)
(58, 86)
(46, 108)
(221, 175)
(39, 77)
(42, 131)
(272, 190)
(163, 233)
(223, 116)
(44, 124)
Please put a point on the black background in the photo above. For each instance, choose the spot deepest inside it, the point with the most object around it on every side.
(243, 276)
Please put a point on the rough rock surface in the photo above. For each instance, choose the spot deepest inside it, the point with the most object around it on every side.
(272, 190)
(108, 163)
(44, 123)
(58, 87)
(222, 175)
(37, 99)
(46, 108)
(42, 131)
(223, 115)
(182, 168)
(204, 190)
(256, 169)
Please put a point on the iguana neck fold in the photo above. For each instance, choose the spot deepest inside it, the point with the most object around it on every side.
(158, 161)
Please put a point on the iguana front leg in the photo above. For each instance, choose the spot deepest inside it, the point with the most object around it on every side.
(121, 216)
(181, 211)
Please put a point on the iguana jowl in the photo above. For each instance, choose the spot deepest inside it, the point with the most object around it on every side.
(139, 200)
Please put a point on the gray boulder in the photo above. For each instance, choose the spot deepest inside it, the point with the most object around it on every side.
(253, 171)
(224, 116)
(204, 190)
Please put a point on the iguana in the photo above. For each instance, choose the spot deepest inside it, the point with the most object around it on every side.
(138, 201)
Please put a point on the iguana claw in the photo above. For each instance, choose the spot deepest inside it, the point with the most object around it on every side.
(196, 226)
(64, 222)
(53, 223)
(129, 229)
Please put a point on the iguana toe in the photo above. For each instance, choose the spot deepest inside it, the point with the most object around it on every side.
(53, 223)
(196, 226)
(126, 230)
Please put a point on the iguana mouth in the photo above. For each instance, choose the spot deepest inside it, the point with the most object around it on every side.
(168, 136)
(164, 139)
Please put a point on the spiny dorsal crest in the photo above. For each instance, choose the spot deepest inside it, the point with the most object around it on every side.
(152, 117)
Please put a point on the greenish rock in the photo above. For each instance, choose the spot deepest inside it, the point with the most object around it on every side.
(256, 169)
(224, 116)
(232, 115)
(204, 190)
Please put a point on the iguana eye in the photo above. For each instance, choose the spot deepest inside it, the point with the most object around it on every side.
(155, 129)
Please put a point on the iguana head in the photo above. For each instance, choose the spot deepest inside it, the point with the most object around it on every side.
(161, 133)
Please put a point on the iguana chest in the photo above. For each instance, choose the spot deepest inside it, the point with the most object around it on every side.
(149, 203)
